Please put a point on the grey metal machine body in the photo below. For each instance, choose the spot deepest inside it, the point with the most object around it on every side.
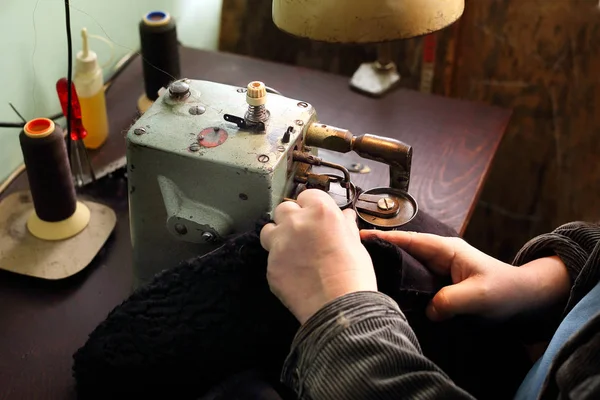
(208, 160)
(195, 178)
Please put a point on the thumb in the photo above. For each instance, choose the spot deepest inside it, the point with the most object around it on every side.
(350, 215)
(466, 297)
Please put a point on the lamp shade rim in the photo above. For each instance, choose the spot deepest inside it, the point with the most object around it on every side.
(364, 21)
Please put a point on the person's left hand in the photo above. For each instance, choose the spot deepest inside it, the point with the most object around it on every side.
(482, 285)
(315, 254)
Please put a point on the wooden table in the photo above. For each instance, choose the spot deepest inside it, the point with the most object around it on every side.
(43, 323)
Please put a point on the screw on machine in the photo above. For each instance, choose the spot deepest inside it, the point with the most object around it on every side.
(208, 237)
(197, 110)
(180, 229)
(386, 203)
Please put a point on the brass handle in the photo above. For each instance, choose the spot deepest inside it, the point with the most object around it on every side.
(396, 154)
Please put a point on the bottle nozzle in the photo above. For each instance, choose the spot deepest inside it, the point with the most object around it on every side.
(86, 60)
(84, 37)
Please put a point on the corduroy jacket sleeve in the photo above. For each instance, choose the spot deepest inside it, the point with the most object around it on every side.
(577, 244)
(360, 346)
(574, 243)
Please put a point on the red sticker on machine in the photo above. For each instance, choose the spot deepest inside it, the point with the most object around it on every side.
(212, 137)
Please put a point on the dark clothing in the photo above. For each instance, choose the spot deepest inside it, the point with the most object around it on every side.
(361, 346)
(211, 327)
(213, 321)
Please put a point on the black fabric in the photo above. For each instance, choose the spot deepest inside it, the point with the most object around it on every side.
(211, 327)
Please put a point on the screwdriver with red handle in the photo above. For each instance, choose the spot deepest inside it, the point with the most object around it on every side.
(78, 131)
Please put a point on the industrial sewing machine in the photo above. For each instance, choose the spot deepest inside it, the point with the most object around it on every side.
(209, 160)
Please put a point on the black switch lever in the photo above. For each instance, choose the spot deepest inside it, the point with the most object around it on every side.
(243, 123)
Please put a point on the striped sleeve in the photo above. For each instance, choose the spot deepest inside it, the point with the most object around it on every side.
(576, 244)
(360, 346)
(572, 242)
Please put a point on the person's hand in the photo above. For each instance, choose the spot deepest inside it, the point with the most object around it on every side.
(315, 254)
(481, 284)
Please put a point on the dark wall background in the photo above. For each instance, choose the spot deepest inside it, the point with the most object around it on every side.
(539, 58)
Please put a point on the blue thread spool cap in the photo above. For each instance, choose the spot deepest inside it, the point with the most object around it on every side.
(157, 18)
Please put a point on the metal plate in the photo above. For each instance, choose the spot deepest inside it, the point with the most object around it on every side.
(408, 209)
(212, 137)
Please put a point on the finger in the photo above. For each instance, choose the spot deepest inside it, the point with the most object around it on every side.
(315, 197)
(400, 238)
(437, 252)
(350, 215)
(267, 235)
(284, 209)
(466, 297)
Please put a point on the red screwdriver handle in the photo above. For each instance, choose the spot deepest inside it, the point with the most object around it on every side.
(77, 129)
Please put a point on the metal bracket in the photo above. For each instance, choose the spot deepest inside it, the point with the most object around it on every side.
(210, 225)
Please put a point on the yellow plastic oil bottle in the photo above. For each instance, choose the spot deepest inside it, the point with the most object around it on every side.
(89, 84)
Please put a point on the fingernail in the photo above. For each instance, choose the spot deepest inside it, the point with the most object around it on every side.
(432, 312)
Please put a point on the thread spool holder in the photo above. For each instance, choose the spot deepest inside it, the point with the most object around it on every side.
(46, 232)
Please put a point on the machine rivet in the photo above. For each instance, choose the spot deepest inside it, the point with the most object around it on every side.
(179, 89)
(263, 158)
(386, 204)
(241, 90)
(280, 149)
(208, 237)
(197, 110)
(299, 122)
(180, 229)
(303, 104)
(139, 131)
(194, 147)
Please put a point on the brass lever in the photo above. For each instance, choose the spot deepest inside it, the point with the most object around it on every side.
(396, 154)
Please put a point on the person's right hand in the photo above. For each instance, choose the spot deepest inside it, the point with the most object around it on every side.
(482, 284)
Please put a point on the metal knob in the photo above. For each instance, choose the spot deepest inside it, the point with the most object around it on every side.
(256, 93)
(179, 90)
